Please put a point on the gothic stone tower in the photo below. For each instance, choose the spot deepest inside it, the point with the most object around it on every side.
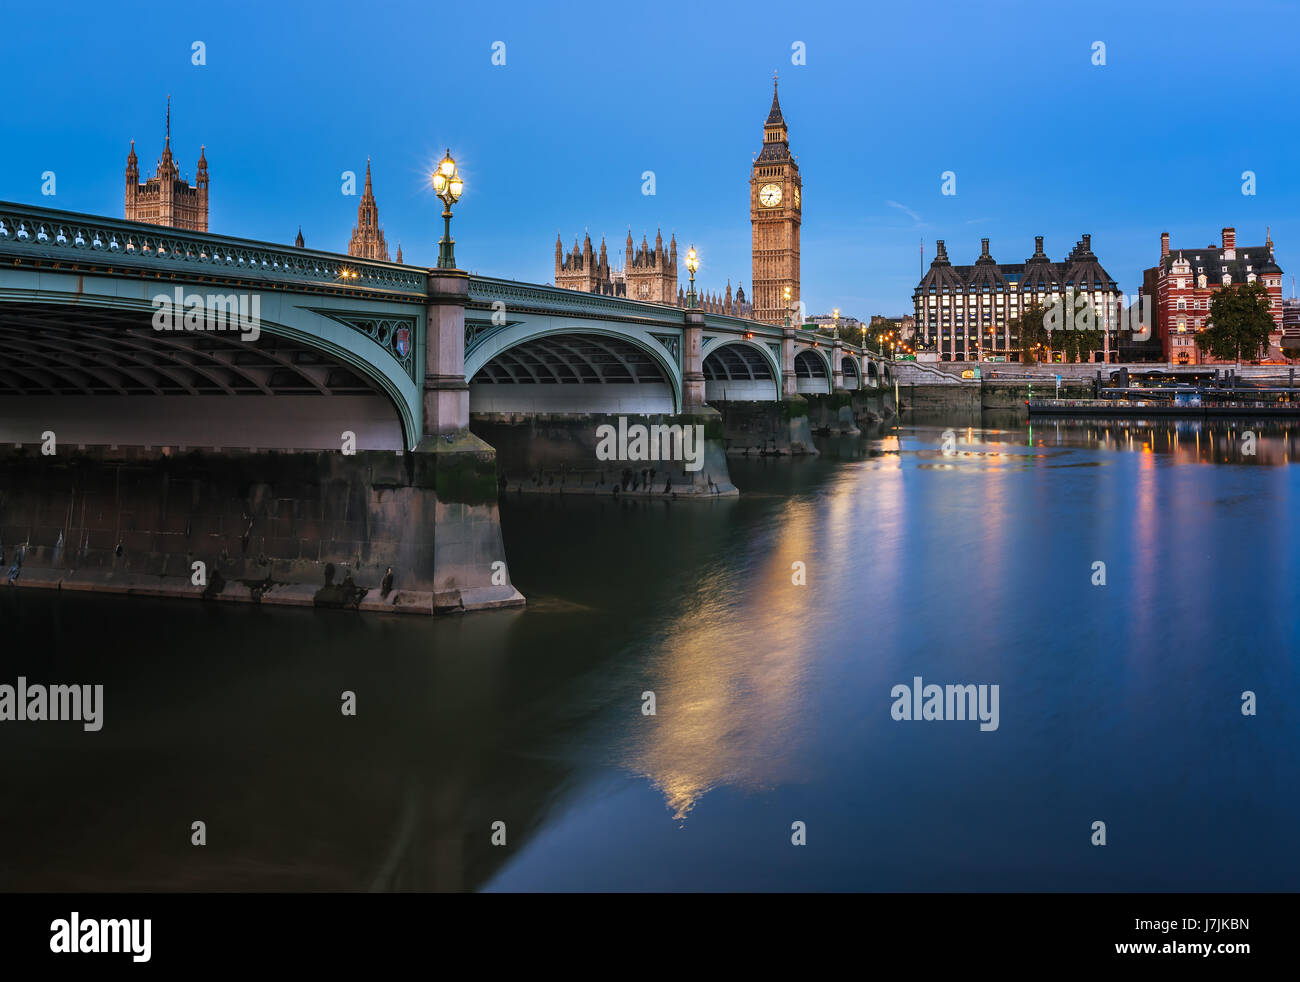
(367, 237)
(167, 198)
(775, 210)
(582, 270)
(651, 274)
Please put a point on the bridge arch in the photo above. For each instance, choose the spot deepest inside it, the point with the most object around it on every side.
(577, 367)
(852, 372)
(741, 370)
(873, 373)
(84, 353)
(812, 371)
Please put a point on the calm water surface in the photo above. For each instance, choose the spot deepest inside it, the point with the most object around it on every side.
(1118, 703)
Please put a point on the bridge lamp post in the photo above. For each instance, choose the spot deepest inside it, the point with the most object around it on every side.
(692, 264)
(785, 293)
(448, 186)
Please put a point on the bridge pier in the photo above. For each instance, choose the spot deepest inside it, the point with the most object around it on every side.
(693, 361)
(446, 391)
(789, 382)
(467, 567)
(315, 528)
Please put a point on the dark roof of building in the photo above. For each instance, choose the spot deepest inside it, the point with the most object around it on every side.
(1080, 270)
(1210, 261)
(941, 272)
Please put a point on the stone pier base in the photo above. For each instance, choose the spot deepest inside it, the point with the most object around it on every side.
(561, 453)
(767, 428)
(308, 529)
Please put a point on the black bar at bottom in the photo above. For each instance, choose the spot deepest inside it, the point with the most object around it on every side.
(336, 931)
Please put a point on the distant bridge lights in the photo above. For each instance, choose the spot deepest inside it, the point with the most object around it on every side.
(448, 186)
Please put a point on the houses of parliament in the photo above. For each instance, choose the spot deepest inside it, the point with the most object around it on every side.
(647, 273)
(775, 214)
(169, 199)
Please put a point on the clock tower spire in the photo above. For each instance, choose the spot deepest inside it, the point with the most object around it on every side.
(775, 213)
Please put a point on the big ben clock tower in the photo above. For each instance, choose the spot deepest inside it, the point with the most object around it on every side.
(775, 210)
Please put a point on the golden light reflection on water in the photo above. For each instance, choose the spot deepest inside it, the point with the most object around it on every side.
(731, 674)
(729, 691)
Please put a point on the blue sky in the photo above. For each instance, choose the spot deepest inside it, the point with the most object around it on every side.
(594, 94)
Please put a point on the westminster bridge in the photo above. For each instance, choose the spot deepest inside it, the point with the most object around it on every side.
(307, 437)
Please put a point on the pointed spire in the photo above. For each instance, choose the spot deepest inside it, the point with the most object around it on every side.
(298, 243)
(399, 252)
(368, 235)
(774, 117)
(165, 165)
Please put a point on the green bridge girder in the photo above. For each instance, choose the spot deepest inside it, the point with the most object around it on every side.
(370, 316)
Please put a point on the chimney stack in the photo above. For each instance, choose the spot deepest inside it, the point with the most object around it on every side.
(1229, 238)
(1164, 244)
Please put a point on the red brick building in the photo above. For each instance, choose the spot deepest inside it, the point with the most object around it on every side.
(1187, 278)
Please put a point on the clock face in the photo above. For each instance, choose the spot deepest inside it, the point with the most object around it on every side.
(769, 195)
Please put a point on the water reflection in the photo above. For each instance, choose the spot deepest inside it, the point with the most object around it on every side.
(771, 698)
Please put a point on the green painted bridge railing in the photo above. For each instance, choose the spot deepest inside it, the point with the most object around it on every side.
(96, 243)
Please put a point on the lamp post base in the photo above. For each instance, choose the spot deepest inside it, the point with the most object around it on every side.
(447, 245)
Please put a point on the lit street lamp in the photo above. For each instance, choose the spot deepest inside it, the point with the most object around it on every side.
(448, 186)
(785, 293)
(692, 264)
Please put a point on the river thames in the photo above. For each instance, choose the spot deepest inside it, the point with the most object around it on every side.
(1118, 703)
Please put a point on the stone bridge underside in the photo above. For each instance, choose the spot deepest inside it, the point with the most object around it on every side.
(739, 372)
(572, 373)
(105, 377)
(810, 372)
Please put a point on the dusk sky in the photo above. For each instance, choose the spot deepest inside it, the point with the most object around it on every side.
(592, 95)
